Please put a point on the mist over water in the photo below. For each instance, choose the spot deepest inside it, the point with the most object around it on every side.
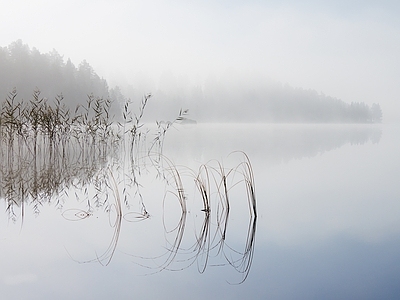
(326, 206)
(199, 149)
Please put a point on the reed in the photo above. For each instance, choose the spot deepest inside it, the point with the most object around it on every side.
(48, 151)
(39, 153)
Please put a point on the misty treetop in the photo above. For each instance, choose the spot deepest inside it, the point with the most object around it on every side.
(28, 70)
(281, 104)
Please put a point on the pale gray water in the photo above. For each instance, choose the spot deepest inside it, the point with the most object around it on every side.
(327, 226)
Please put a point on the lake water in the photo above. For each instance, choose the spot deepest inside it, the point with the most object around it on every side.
(326, 223)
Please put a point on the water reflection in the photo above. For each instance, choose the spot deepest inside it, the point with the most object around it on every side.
(84, 174)
(190, 214)
(274, 143)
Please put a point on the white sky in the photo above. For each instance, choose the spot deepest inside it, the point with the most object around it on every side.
(345, 49)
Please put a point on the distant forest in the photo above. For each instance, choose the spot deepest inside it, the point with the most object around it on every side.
(282, 104)
(28, 70)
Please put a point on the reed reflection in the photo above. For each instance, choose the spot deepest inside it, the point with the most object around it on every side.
(208, 244)
(44, 150)
(218, 190)
(49, 155)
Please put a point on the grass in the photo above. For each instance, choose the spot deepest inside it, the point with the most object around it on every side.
(50, 154)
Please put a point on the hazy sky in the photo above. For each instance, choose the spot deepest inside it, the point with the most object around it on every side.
(349, 49)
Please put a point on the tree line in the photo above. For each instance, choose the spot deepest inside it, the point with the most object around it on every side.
(28, 70)
(281, 104)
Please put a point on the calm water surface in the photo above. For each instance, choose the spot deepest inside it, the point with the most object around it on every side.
(327, 223)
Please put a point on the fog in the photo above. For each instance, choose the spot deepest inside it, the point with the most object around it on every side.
(345, 50)
(102, 201)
